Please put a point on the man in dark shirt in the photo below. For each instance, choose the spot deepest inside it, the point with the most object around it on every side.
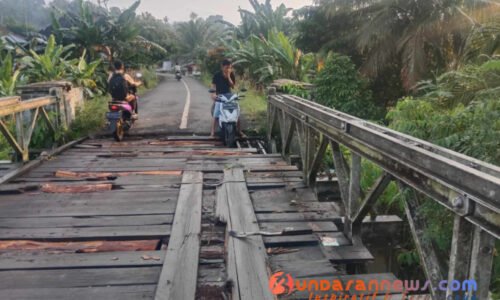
(222, 82)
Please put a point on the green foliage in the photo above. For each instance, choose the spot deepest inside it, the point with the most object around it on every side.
(89, 118)
(43, 138)
(397, 43)
(263, 19)
(100, 31)
(149, 77)
(459, 110)
(265, 59)
(254, 108)
(296, 90)
(82, 74)
(52, 64)
(8, 76)
(339, 85)
(198, 34)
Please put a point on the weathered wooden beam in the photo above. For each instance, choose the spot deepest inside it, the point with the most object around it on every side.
(460, 254)
(310, 148)
(10, 138)
(481, 265)
(31, 128)
(179, 274)
(271, 112)
(354, 193)
(247, 259)
(428, 257)
(375, 192)
(4, 101)
(288, 134)
(340, 170)
(317, 161)
(20, 136)
(301, 136)
(46, 117)
(21, 106)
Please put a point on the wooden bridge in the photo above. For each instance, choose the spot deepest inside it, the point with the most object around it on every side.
(176, 217)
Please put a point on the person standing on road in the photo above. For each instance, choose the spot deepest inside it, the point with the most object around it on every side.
(222, 82)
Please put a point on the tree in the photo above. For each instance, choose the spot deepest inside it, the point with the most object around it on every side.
(26, 15)
(263, 19)
(198, 35)
(419, 35)
(264, 59)
(339, 85)
(97, 31)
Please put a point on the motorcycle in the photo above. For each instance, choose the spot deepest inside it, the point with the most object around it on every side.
(229, 116)
(178, 75)
(120, 115)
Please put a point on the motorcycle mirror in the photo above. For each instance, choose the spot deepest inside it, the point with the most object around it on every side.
(211, 91)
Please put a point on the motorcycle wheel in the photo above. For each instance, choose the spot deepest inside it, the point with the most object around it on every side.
(119, 132)
(230, 135)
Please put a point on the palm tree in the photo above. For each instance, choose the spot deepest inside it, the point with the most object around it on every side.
(198, 35)
(420, 35)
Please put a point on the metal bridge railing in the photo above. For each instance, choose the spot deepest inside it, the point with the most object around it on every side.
(466, 186)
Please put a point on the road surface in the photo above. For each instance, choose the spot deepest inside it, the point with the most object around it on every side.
(175, 107)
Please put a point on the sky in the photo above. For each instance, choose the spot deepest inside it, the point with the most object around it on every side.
(179, 10)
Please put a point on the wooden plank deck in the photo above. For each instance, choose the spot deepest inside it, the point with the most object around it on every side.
(154, 233)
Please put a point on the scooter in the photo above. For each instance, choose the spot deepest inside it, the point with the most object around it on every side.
(229, 116)
(178, 75)
(119, 117)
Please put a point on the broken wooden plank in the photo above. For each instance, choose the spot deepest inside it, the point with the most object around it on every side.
(86, 233)
(78, 247)
(129, 292)
(40, 261)
(73, 174)
(67, 189)
(299, 216)
(348, 254)
(291, 227)
(247, 258)
(92, 221)
(221, 205)
(26, 279)
(179, 273)
(304, 268)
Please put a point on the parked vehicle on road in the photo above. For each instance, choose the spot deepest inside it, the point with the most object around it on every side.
(229, 116)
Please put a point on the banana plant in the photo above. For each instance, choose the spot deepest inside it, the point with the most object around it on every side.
(53, 64)
(8, 77)
(82, 74)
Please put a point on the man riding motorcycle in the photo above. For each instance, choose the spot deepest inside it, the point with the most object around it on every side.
(123, 87)
(222, 83)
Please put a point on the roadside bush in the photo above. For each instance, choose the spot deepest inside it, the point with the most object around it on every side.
(339, 86)
(89, 118)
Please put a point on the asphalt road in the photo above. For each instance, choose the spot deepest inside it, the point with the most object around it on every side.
(163, 109)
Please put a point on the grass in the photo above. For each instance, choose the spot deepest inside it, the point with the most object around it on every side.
(5, 149)
(89, 118)
(254, 112)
